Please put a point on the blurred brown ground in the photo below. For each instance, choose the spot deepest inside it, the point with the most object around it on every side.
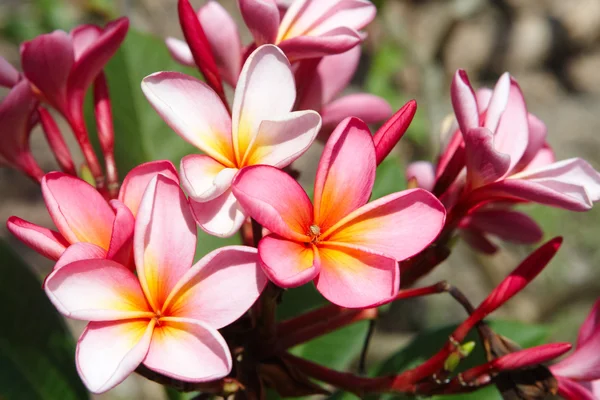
(552, 47)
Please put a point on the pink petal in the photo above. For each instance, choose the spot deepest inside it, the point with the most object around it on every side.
(275, 200)
(80, 252)
(393, 129)
(95, 289)
(477, 240)
(544, 157)
(464, 102)
(331, 75)
(16, 111)
(512, 134)
(288, 263)
(79, 212)
(399, 225)
(497, 102)
(188, 350)
(422, 172)
(203, 178)
(265, 91)
(508, 225)
(180, 51)
(279, 142)
(367, 107)
(164, 241)
(194, 111)
(571, 390)
(93, 59)
(355, 278)
(535, 144)
(83, 38)
(47, 242)
(107, 352)
(121, 240)
(47, 61)
(484, 163)
(9, 76)
(346, 173)
(137, 180)
(591, 325)
(261, 18)
(224, 39)
(231, 270)
(336, 41)
(483, 96)
(222, 216)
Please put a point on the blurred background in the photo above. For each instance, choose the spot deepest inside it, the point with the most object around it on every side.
(413, 48)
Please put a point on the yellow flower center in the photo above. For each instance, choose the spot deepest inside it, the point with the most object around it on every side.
(314, 232)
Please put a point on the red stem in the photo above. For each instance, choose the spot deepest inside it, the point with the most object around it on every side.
(106, 132)
(56, 142)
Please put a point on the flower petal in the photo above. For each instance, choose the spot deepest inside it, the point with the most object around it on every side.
(591, 325)
(83, 37)
(336, 41)
(399, 225)
(261, 18)
(107, 352)
(423, 173)
(137, 180)
(180, 51)
(9, 76)
(275, 200)
(121, 240)
(346, 173)
(203, 178)
(354, 278)
(393, 129)
(219, 288)
(287, 263)
(188, 350)
(571, 390)
(47, 62)
(46, 242)
(367, 107)
(265, 91)
(464, 102)
(95, 290)
(279, 142)
(497, 102)
(79, 212)
(164, 240)
(507, 224)
(193, 110)
(484, 163)
(535, 144)
(224, 39)
(80, 252)
(220, 217)
(477, 240)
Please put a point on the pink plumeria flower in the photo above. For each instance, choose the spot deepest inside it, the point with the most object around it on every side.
(81, 214)
(16, 111)
(167, 316)
(309, 28)
(349, 248)
(223, 37)
(262, 130)
(320, 87)
(497, 140)
(579, 373)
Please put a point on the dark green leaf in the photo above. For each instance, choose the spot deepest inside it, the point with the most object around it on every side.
(36, 349)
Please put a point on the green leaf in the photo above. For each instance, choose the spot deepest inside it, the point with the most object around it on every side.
(37, 357)
(390, 177)
(140, 133)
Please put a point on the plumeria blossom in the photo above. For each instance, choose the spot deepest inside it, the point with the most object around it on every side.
(348, 247)
(262, 130)
(223, 38)
(167, 316)
(578, 374)
(321, 86)
(82, 215)
(309, 28)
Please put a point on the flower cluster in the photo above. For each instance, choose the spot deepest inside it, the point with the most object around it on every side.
(124, 251)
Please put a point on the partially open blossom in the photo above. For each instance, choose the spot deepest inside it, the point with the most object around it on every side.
(223, 38)
(309, 28)
(578, 374)
(348, 247)
(262, 130)
(16, 112)
(320, 86)
(167, 315)
(81, 214)
(392, 130)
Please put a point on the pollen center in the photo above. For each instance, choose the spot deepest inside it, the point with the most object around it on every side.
(314, 232)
